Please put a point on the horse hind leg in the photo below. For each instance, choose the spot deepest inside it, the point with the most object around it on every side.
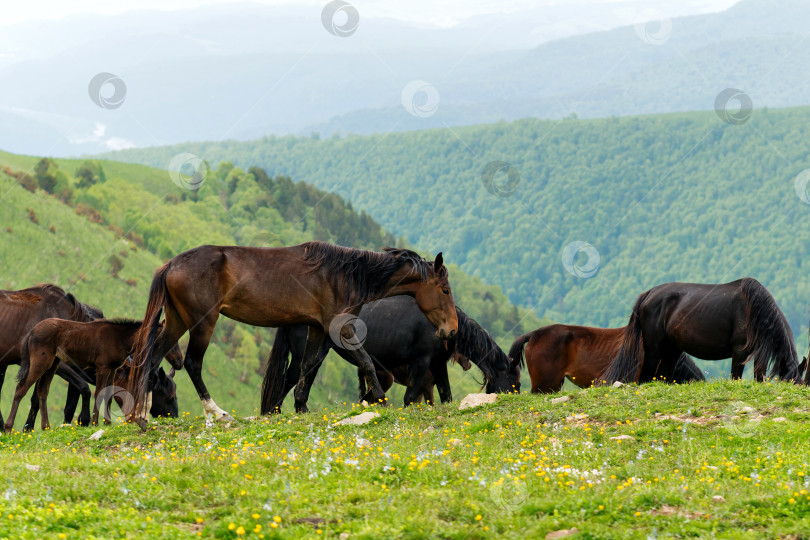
(43, 387)
(738, 365)
(38, 367)
(2, 378)
(309, 367)
(546, 370)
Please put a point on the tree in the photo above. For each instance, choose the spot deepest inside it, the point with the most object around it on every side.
(45, 171)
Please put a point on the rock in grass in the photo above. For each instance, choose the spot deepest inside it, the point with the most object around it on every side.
(622, 438)
(97, 435)
(718, 499)
(475, 400)
(618, 384)
(780, 419)
(34, 468)
(562, 533)
(359, 420)
(561, 399)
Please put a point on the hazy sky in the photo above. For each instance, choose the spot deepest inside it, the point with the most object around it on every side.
(444, 12)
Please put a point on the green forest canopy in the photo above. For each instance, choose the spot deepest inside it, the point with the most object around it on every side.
(675, 197)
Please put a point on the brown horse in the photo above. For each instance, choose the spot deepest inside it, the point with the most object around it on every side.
(161, 385)
(102, 345)
(316, 284)
(580, 353)
(740, 320)
(21, 310)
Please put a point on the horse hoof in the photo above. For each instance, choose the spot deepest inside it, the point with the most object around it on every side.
(225, 417)
(142, 423)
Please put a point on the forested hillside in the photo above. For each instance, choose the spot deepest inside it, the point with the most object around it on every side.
(678, 197)
(100, 229)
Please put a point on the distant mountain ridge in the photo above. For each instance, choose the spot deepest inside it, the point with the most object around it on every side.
(220, 73)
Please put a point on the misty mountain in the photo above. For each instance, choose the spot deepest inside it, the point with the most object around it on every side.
(216, 73)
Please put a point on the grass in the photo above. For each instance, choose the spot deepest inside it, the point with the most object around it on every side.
(520, 468)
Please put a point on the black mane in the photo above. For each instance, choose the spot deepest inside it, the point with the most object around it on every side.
(474, 343)
(365, 273)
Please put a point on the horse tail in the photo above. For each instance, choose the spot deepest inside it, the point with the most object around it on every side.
(686, 370)
(769, 339)
(626, 366)
(145, 339)
(516, 350)
(25, 358)
(275, 372)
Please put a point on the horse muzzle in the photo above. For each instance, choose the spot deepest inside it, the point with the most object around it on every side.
(442, 334)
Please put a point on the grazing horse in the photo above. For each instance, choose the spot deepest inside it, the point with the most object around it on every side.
(317, 284)
(102, 345)
(162, 386)
(398, 336)
(21, 310)
(580, 353)
(739, 320)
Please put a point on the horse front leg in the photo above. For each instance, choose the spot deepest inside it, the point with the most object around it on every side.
(77, 386)
(309, 368)
(32, 413)
(415, 380)
(442, 381)
(199, 338)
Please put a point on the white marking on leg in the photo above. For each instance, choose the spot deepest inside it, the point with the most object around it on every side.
(212, 409)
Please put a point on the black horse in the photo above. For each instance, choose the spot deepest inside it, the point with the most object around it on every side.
(398, 335)
(740, 320)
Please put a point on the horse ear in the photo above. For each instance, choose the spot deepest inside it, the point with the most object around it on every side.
(171, 373)
(437, 265)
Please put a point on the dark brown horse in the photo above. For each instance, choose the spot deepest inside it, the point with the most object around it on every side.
(161, 385)
(580, 353)
(102, 345)
(314, 284)
(740, 320)
(21, 310)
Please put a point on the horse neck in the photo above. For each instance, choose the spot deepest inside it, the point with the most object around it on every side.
(404, 281)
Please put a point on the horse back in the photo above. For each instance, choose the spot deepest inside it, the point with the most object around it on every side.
(21, 310)
(258, 286)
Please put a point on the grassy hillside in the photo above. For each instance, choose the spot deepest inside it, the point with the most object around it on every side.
(721, 460)
(677, 197)
(109, 236)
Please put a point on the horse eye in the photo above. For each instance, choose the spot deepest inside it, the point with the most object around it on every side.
(446, 291)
